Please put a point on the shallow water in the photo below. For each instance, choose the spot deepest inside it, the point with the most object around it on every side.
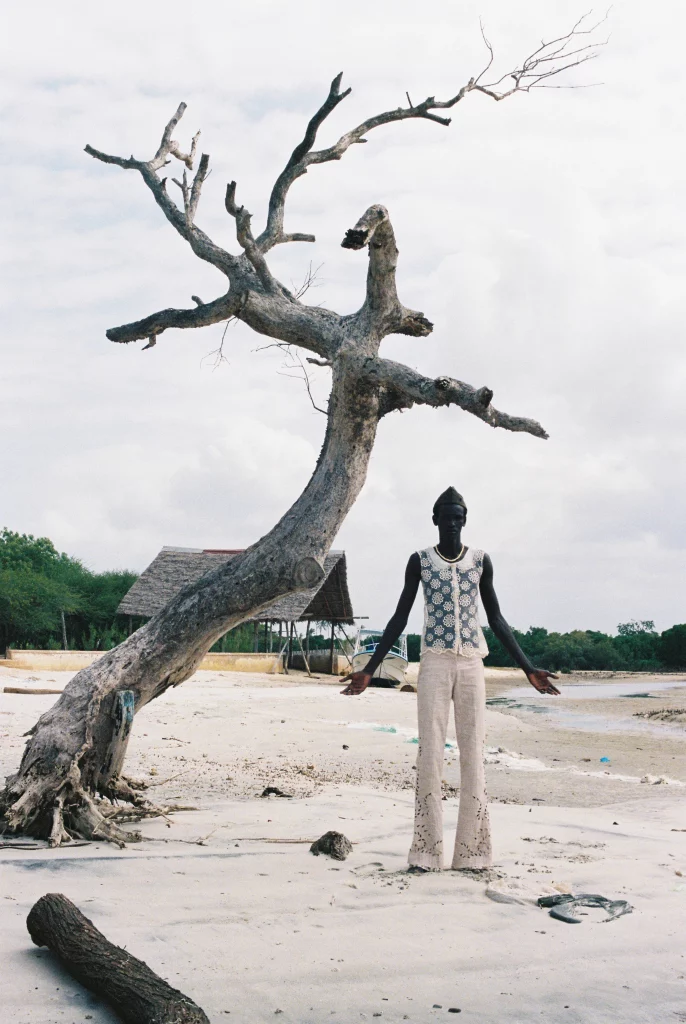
(558, 707)
(626, 688)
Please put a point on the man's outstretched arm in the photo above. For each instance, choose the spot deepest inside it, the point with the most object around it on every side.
(359, 681)
(538, 677)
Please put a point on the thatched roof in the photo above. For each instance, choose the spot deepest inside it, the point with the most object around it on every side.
(175, 568)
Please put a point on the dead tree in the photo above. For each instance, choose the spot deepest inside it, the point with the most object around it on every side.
(69, 777)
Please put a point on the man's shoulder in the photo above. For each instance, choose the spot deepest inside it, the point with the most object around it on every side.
(476, 557)
(422, 559)
(414, 563)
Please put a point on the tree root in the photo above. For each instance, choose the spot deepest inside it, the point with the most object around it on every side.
(58, 833)
(88, 822)
(142, 811)
(71, 813)
(122, 788)
(134, 783)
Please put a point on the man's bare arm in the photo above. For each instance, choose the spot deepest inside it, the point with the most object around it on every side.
(359, 681)
(538, 677)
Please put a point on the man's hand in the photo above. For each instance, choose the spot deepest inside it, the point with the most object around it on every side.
(359, 681)
(540, 680)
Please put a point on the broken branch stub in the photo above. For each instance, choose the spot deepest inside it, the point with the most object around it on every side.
(307, 573)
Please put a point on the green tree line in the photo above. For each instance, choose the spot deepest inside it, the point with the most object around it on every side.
(637, 647)
(39, 585)
(40, 588)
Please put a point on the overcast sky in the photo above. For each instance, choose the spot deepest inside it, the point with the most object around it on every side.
(544, 236)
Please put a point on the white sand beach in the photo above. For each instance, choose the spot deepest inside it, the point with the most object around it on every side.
(252, 926)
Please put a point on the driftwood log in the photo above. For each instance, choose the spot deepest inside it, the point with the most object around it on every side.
(27, 689)
(135, 992)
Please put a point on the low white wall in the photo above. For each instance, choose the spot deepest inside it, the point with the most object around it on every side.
(72, 661)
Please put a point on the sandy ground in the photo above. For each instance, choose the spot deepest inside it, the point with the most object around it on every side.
(250, 927)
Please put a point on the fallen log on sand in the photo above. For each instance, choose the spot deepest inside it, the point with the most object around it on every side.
(26, 689)
(135, 992)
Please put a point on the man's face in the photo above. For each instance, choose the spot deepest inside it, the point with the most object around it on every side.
(450, 519)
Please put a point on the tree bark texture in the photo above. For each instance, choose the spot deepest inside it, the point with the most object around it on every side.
(70, 775)
(137, 994)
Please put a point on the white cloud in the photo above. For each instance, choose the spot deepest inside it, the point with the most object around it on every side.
(545, 237)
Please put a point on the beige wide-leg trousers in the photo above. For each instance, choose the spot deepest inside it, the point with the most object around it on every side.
(443, 678)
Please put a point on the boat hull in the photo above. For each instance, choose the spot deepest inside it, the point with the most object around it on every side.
(391, 670)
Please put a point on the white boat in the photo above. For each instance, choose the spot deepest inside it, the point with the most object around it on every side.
(391, 671)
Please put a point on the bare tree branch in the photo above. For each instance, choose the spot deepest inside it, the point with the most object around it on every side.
(245, 236)
(296, 361)
(549, 59)
(203, 315)
(403, 387)
(382, 311)
(491, 54)
(203, 171)
(218, 352)
(181, 220)
(529, 75)
(308, 385)
(311, 280)
(185, 158)
(297, 166)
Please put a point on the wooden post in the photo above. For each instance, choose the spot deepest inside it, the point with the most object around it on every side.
(307, 637)
(350, 647)
(278, 658)
(290, 645)
(256, 639)
(64, 633)
(138, 995)
(266, 627)
(333, 628)
(302, 651)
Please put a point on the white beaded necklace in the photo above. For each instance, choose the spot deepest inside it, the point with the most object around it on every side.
(449, 559)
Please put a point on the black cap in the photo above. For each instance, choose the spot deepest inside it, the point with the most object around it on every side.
(449, 497)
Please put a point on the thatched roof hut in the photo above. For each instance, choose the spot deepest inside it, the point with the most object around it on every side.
(174, 568)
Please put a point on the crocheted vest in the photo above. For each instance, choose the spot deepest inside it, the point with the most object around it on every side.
(451, 593)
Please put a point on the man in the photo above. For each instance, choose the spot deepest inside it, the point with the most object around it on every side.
(451, 668)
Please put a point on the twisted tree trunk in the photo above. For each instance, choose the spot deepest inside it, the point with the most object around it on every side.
(64, 769)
